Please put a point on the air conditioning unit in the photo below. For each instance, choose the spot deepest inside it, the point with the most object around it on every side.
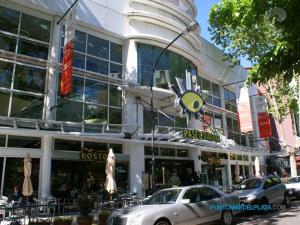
(116, 75)
(161, 78)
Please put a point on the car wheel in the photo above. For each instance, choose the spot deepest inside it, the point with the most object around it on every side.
(162, 222)
(226, 217)
(286, 201)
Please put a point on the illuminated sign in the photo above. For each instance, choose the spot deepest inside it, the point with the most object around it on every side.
(200, 135)
(91, 154)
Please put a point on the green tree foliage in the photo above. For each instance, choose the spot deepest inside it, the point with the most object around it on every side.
(267, 33)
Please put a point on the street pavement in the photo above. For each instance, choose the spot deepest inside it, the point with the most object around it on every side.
(291, 216)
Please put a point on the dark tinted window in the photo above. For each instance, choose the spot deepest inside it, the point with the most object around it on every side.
(193, 195)
(70, 145)
(208, 194)
(24, 142)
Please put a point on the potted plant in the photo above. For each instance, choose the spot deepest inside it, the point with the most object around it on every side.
(63, 221)
(85, 206)
(103, 216)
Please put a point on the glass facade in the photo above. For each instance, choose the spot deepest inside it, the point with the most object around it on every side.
(96, 55)
(91, 101)
(162, 120)
(230, 100)
(170, 65)
(210, 92)
(22, 85)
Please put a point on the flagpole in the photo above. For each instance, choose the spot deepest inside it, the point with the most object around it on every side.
(63, 16)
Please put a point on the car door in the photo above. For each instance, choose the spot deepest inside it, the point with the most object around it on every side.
(191, 211)
(278, 189)
(269, 192)
(211, 202)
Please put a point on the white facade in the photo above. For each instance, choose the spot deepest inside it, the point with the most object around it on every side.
(129, 23)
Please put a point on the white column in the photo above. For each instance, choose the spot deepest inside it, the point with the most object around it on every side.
(137, 167)
(229, 170)
(53, 69)
(46, 166)
(194, 155)
(293, 164)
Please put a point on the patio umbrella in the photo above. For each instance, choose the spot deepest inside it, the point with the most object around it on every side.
(27, 185)
(237, 173)
(256, 166)
(110, 183)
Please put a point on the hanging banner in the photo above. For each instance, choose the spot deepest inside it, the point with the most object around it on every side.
(244, 110)
(67, 64)
(264, 125)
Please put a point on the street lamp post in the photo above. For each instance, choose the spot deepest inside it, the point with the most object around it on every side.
(191, 27)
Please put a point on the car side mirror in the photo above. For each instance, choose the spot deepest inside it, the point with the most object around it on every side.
(185, 201)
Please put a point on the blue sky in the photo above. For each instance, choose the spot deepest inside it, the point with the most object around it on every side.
(203, 9)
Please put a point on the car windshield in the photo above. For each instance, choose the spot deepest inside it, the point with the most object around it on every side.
(249, 184)
(163, 197)
(294, 180)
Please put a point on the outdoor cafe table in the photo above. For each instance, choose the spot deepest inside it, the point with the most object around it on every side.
(38, 211)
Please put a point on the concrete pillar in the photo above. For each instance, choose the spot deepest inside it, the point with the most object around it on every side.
(131, 60)
(229, 170)
(137, 167)
(293, 164)
(46, 166)
(53, 69)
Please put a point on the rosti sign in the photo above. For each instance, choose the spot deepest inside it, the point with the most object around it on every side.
(91, 154)
(200, 135)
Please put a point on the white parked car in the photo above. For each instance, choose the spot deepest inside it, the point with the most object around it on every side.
(179, 206)
(293, 186)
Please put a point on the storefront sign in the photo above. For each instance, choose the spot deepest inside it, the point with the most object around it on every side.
(91, 154)
(200, 135)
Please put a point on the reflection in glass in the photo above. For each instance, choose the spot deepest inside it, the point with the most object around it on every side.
(95, 114)
(115, 116)
(97, 65)
(7, 43)
(33, 49)
(68, 110)
(96, 92)
(2, 141)
(6, 70)
(115, 70)
(115, 98)
(9, 20)
(69, 145)
(80, 39)
(26, 106)
(35, 28)
(116, 52)
(29, 79)
(96, 146)
(117, 148)
(24, 142)
(97, 47)
(78, 61)
(4, 101)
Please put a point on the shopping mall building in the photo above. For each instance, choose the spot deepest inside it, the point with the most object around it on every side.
(116, 45)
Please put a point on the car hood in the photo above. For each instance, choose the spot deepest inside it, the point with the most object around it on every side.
(245, 193)
(295, 186)
(142, 209)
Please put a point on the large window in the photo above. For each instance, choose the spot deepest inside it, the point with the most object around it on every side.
(210, 92)
(24, 34)
(22, 85)
(96, 55)
(162, 120)
(233, 130)
(91, 101)
(230, 100)
(170, 65)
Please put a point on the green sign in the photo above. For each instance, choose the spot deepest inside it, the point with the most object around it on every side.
(91, 154)
(200, 135)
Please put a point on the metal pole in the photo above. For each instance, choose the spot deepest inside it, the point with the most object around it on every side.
(152, 111)
(63, 16)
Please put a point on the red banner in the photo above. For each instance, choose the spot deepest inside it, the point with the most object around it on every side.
(264, 125)
(67, 67)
